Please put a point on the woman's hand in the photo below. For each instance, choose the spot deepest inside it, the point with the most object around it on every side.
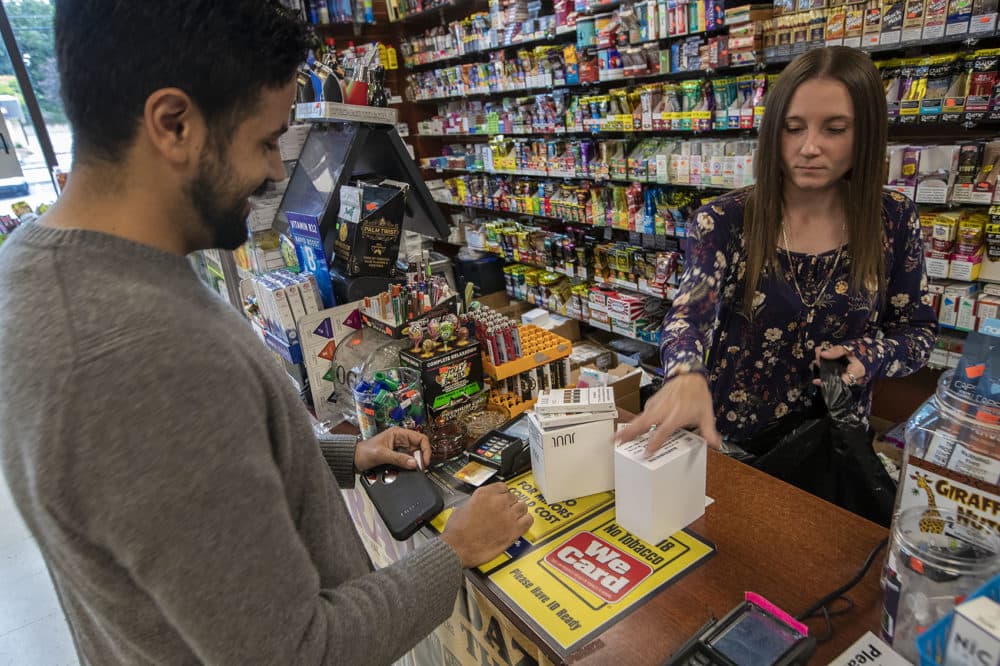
(855, 372)
(683, 402)
(382, 450)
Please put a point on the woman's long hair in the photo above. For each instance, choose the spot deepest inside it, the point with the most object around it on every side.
(862, 190)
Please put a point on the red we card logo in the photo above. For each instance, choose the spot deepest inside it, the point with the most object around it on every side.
(598, 566)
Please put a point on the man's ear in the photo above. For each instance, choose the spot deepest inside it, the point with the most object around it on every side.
(174, 125)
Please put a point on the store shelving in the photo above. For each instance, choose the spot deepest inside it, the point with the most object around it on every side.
(569, 314)
(764, 63)
(536, 216)
(970, 40)
(586, 178)
(495, 211)
(588, 86)
(558, 36)
(623, 133)
(921, 134)
(436, 11)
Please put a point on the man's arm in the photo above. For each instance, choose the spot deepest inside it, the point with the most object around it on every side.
(187, 495)
(338, 452)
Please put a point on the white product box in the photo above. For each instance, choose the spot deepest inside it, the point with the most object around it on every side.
(536, 317)
(551, 421)
(295, 301)
(656, 497)
(974, 639)
(574, 461)
(576, 400)
(937, 264)
(988, 307)
(966, 319)
(282, 320)
(310, 290)
(953, 293)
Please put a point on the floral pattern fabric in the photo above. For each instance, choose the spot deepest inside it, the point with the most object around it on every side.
(759, 368)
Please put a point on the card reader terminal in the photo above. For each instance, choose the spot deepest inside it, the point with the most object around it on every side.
(504, 449)
(749, 635)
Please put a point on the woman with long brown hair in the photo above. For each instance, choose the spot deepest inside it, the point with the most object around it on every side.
(814, 260)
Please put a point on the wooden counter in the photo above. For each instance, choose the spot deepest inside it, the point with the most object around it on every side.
(771, 538)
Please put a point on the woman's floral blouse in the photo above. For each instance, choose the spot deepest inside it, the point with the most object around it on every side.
(759, 369)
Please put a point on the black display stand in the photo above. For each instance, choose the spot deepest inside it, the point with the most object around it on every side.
(349, 143)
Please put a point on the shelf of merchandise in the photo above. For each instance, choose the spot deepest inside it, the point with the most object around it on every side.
(565, 176)
(579, 318)
(437, 11)
(920, 134)
(667, 295)
(589, 85)
(505, 213)
(556, 38)
(613, 283)
(600, 8)
(763, 64)
(970, 40)
(736, 132)
(536, 216)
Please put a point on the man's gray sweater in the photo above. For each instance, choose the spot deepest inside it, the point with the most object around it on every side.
(172, 478)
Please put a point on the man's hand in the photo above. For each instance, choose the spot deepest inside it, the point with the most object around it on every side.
(683, 402)
(486, 525)
(392, 447)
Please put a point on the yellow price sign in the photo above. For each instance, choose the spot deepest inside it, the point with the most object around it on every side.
(579, 583)
(548, 518)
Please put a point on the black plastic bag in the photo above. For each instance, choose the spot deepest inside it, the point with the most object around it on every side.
(827, 452)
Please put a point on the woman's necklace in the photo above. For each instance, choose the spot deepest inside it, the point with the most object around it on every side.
(811, 307)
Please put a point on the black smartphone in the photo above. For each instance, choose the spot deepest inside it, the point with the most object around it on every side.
(405, 499)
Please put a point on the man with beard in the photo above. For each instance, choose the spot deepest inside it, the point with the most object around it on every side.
(159, 457)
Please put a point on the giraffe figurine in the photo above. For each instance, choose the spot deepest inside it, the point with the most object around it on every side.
(931, 522)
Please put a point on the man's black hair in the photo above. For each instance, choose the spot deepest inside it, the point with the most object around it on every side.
(113, 54)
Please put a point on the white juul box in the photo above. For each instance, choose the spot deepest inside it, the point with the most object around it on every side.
(658, 496)
(572, 461)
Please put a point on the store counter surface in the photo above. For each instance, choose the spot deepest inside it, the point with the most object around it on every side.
(769, 537)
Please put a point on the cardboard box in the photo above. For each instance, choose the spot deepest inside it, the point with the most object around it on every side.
(965, 267)
(574, 461)
(459, 410)
(565, 327)
(449, 378)
(937, 264)
(658, 496)
(589, 353)
(514, 309)
(496, 300)
(624, 379)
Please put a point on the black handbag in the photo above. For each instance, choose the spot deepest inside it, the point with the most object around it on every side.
(826, 451)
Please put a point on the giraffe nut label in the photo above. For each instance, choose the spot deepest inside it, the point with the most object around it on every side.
(929, 485)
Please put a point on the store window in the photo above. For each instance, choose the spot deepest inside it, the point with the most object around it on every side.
(25, 173)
